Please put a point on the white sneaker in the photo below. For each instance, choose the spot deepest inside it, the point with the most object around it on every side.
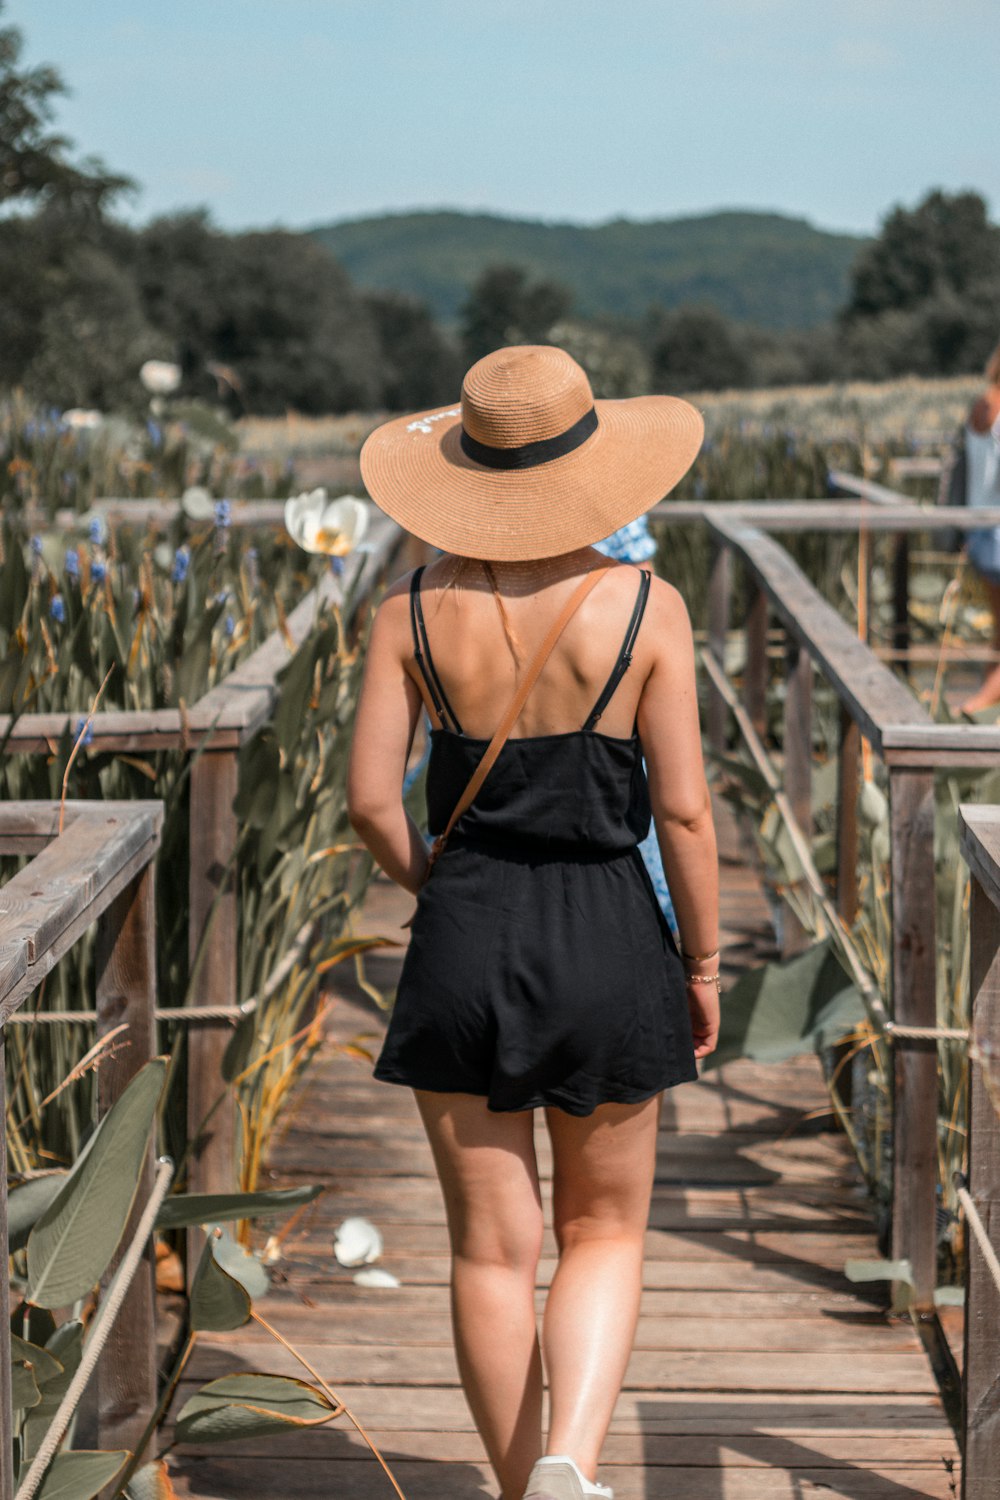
(556, 1477)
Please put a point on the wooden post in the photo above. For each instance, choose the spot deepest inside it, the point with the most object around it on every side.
(797, 736)
(213, 916)
(6, 1414)
(755, 672)
(901, 598)
(980, 1392)
(125, 1378)
(848, 786)
(914, 978)
(719, 588)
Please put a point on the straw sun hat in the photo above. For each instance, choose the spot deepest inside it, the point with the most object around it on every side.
(529, 465)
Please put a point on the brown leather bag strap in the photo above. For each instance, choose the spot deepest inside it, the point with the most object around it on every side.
(518, 701)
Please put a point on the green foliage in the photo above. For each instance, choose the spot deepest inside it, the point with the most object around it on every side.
(251, 1406)
(182, 1210)
(72, 1243)
(505, 307)
(34, 163)
(80, 1475)
(760, 268)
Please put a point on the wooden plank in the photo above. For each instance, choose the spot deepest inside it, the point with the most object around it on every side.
(719, 591)
(736, 1414)
(914, 980)
(981, 1390)
(6, 1413)
(848, 788)
(979, 834)
(221, 1476)
(858, 1371)
(125, 960)
(901, 597)
(799, 515)
(797, 744)
(213, 955)
(755, 674)
(654, 1450)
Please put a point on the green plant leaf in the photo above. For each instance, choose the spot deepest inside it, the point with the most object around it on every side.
(788, 1007)
(249, 1406)
(238, 1263)
(182, 1210)
(73, 1241)
(24, 1392)
(218, 1301)
(26, 1204)
(151, 1482)
(42, 1361)
(67, 1346)
(81, 1475)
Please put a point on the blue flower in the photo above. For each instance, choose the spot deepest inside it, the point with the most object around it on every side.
(72, 563)
(36, 546)
(336, 566)
(182, 561)
(97, 531)
(85, 729)
(98, 571)
(57, 608)
(229, 625)
(155, 431)
(223, 513)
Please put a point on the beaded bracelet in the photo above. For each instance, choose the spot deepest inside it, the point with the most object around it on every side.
(705, 979)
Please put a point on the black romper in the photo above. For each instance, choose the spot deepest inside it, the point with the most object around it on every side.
(540, 970)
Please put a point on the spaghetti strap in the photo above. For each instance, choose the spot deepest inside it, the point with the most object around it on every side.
(624, 660)
(423, 658)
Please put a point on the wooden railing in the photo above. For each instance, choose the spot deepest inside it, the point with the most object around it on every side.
(211, 731)
(980, 836)
(99, 869)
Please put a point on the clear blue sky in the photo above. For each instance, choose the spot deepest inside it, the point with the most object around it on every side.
(302, 111)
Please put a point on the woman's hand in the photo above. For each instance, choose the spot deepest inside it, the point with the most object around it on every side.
(704, 1010)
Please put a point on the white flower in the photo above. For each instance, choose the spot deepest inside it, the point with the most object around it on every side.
(375, 1276)
(357, 1242)
(317, 524)
(77, 417)
(160, 377)
(197, 504)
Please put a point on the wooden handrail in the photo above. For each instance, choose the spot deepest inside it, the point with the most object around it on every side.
(99, 869)
(979, 834)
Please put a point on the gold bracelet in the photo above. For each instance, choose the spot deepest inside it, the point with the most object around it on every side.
(705, 979)
(699, 958)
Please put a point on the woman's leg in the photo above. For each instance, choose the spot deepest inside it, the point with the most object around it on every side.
(603, 1168)
(489, 1176)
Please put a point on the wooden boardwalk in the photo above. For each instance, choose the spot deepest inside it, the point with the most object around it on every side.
(759, 1372)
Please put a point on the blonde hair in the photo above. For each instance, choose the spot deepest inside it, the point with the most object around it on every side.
(993, 367)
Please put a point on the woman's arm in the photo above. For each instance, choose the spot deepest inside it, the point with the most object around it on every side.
(388, 710)
(682, 810)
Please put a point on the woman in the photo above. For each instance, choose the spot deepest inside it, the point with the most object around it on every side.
(541, 972)
(982, 453)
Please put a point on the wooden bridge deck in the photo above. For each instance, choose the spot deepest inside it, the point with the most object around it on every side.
(759, 1372)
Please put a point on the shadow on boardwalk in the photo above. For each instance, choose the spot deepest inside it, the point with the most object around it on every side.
(759, 1372)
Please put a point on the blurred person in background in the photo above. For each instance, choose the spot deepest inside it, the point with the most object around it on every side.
(982, 452)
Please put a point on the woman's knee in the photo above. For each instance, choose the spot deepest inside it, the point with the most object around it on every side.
(507, 1236)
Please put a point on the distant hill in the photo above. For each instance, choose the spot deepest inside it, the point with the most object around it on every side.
(759, 267)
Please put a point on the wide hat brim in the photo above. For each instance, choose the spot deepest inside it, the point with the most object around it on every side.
(416, 470)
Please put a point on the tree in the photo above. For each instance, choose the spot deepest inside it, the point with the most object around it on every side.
(504, 307)
(696, 349)
(33, 160)
(420, 367)
(273, 307)
(944, 245)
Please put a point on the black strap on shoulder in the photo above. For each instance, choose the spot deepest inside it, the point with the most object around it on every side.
(624, 661)
(424, 660)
